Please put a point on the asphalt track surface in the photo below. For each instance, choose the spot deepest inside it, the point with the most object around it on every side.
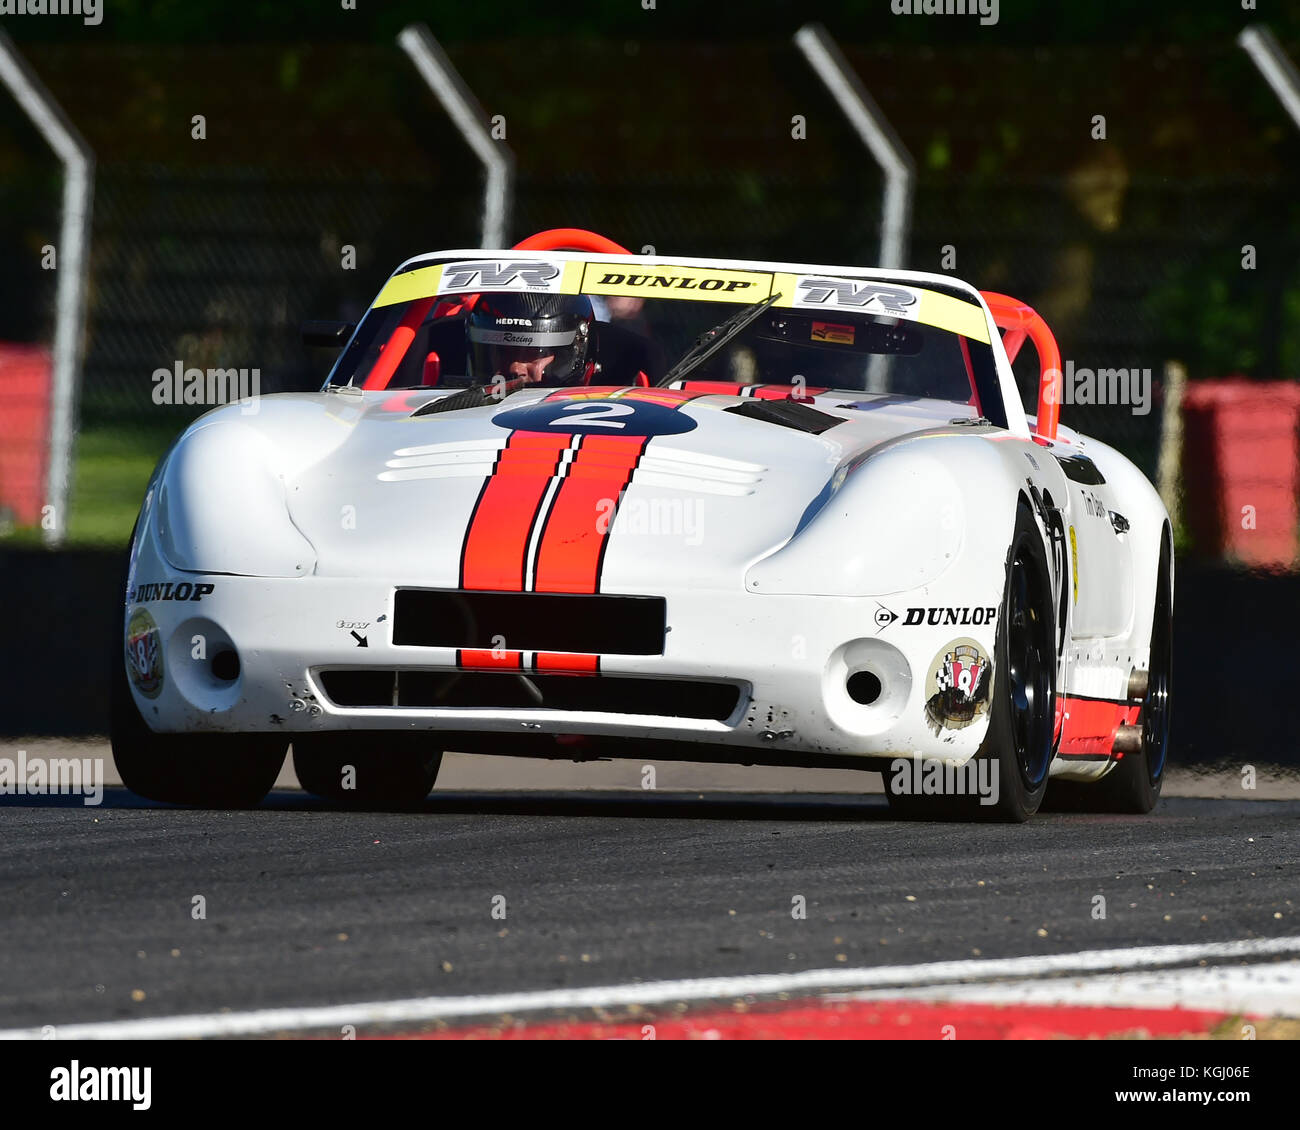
(310, 905)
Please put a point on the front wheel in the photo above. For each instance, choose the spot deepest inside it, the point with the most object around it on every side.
(208, 770)
(368, 771)
(1022, 709)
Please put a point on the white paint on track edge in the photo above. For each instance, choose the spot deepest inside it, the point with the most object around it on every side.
(1271, 989)
(422, 1009)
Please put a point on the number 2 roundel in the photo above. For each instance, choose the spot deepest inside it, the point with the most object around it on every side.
(597, 418)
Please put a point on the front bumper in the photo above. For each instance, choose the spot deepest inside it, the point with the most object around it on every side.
(800, 666)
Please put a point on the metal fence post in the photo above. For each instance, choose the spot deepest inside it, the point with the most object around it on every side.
(1271, 61)
(468, 116)
(72, 264)
(877, 134)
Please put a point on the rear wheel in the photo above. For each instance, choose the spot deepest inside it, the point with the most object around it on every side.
(365, 770)
(1134, 784)
(1022, 710)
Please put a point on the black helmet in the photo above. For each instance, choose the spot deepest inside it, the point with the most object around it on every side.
(503, 328)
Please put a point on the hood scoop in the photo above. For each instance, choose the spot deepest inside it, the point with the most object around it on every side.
(787, 414)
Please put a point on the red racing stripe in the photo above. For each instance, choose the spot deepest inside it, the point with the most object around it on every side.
(585, 392)
(496, 541)
(572, 546)
(667, 397)
(574, 519)
(712, 388)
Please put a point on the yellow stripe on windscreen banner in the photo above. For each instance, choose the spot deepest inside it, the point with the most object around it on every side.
(825, 293)
(947, 313)
(833, 294)
(423, 282)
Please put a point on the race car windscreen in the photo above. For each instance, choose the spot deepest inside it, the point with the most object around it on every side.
(853, 342)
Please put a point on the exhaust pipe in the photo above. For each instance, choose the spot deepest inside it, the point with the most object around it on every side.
(1137, 685)
(1128, 739)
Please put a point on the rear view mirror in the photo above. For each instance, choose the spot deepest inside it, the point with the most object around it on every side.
(333, 334)
(841, 334)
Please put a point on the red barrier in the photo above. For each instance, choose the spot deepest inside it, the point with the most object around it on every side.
(25, 384)
(1241, 470)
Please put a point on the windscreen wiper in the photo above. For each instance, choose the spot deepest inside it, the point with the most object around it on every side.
(709, 342)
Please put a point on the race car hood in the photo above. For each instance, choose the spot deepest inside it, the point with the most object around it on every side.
(582, 490)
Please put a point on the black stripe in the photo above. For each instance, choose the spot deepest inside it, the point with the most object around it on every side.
(576, 448)
(532, 522)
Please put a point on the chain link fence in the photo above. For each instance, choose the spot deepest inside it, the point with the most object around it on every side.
(241, 190)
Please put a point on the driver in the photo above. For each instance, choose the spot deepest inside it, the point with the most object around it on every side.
(543, 339)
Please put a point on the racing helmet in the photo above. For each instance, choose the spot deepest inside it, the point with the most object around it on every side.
(505, 328)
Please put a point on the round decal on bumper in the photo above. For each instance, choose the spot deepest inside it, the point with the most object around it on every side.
(144, 653)
(958, 685)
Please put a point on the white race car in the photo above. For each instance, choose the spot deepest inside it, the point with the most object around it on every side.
(581, 504)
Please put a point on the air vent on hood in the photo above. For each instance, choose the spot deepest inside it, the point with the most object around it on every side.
(1081, 469)
(787, 414)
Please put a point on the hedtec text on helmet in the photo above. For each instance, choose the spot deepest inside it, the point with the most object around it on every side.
(504, 329)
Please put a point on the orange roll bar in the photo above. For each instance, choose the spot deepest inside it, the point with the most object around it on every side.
(1020, 320)
(571, 239)
(397, 344)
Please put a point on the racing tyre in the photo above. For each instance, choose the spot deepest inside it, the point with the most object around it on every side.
(207, 770)
(1022, 710)
(1133, 786)
(367, 771)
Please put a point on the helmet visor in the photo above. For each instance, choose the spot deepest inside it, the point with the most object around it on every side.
(549, 356)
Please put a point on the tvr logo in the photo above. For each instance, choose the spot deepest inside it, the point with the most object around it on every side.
(499, 276)
(842, 292)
